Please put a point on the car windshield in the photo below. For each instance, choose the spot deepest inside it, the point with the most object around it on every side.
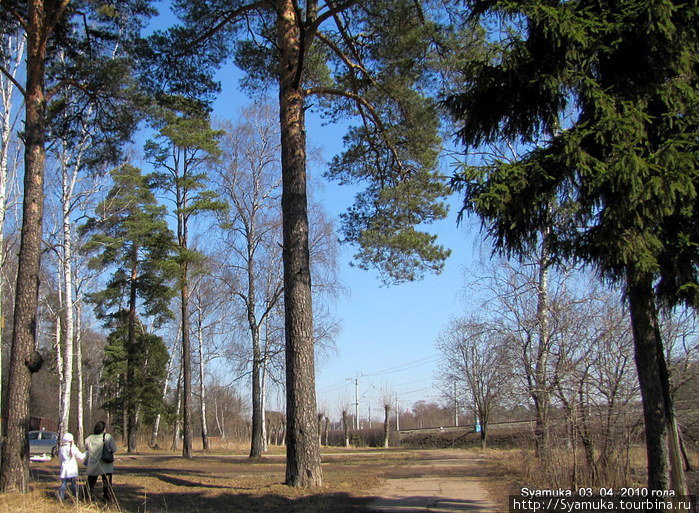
(34, 436)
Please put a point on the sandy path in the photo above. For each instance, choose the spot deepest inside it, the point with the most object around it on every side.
(440, 482)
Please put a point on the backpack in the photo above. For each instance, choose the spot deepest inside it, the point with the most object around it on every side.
(107, 455)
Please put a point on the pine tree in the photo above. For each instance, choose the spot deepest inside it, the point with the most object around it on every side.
(622, 172)
(131, 237)
(185, 143)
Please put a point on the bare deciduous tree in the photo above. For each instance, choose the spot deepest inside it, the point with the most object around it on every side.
(476, 356)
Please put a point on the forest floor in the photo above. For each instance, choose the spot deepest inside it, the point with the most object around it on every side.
(387, 481)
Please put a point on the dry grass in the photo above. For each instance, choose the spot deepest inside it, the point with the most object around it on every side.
(508, 470)
(160, 482)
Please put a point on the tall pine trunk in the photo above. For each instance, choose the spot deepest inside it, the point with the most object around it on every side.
(303, 468)
(14, 470)
(665, 470)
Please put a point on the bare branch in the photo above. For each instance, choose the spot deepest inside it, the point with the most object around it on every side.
(227, 18)
(12, 79)
(332, 11)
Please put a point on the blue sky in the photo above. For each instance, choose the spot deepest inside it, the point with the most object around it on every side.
(388, 333)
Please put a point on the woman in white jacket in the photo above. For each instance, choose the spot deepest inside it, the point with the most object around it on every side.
(68, 455)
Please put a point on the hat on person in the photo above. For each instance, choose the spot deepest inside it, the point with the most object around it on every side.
(67, 437)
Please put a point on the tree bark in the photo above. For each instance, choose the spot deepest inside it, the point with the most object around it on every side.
(263, 404)
(14, 470)
(7, 92)
(202, 387)
(540, 394)
(131, 426)
(665, 470)
(67, 264)
(303, 467)
(79, 368)
(181, 204)
(178, 409)
(257, 440)
(186, 370)
(345, 429)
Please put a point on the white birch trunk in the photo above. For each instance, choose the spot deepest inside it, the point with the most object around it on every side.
(59, 354)
(7, 89)
(156, 424)
(79, 369)
(176, 427)
(67, 268)
(219, 421)
(263, 404)
(202, 387)
(90, 403)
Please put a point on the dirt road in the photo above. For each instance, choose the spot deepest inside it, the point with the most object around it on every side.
(438, 481)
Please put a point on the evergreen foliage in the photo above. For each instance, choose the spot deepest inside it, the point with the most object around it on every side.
(89, 80)
(132, 238)
(150, 371)
(624, 171)
(373, 63)
(130, 233)
(608, 92)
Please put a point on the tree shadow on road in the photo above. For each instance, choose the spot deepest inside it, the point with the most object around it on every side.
(138, 500)
(426, 503)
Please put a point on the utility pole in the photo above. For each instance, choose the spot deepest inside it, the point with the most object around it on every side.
(456, 408)
(369, 415)
(356, 400)
(397, 414)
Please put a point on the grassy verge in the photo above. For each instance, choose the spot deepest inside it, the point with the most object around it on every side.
(159, 482)
(508, 470)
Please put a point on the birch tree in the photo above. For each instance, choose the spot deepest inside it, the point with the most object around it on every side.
(249, 181)
(477, 357)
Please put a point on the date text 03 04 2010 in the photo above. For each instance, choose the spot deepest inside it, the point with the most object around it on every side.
(590, 492)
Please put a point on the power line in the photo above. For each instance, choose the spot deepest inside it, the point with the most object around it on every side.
(389, 370)
(404, 366)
